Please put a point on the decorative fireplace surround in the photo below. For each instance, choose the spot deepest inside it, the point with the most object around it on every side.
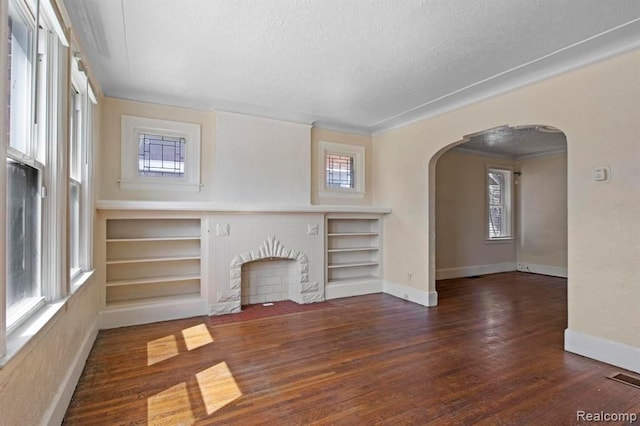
(242, 239)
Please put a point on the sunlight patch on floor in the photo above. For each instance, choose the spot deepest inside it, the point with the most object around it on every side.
(196, 336)
(217, 387)
(161, 349)
(170, 407)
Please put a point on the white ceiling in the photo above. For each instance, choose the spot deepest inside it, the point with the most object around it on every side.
(361, 65)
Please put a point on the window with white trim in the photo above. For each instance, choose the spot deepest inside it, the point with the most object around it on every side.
(499, 203)
(81, 101)
(159, 155)
(34, 79)
(341, 170)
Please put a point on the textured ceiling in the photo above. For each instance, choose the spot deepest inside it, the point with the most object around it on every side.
(360, 65)
(516, 142)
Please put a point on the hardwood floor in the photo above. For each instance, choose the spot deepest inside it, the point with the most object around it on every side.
(491, 353)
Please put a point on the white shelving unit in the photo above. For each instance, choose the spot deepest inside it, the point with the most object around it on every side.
(354, 255)
(153, 270)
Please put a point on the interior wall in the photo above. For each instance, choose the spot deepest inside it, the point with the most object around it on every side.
(542, 214)
(244, 159)
(108, 153)
(597, 108)
(461, 218)
(32, 383)
(318, 135)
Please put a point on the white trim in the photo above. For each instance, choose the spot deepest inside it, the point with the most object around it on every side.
(56, 411)
(355, 288)
(554, 271)
(541, 154)
(421, 297)
(358, 153)
(131, 127)
(152, 312)
(469, 271)
(614, 353)
(233, 208)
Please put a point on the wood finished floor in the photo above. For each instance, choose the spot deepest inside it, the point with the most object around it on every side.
(489, 353)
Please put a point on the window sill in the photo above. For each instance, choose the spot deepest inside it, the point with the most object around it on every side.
(158, 185)
(45, 317)
(79, 280)
(505, 240)
(340, 194)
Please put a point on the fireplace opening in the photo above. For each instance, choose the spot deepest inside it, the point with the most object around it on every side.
(268, 280)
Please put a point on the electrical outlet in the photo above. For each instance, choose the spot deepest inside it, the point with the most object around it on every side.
(410, 276)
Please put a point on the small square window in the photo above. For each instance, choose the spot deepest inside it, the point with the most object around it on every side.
(161, 155)
(340, 171)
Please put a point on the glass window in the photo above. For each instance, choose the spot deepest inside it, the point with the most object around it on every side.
(23, 236)
(499, 201)
(160, 155)
(340, 172)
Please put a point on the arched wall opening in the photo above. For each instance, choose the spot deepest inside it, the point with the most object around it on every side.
(463, 240)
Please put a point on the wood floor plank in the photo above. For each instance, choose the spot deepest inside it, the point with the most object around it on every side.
(491, 353)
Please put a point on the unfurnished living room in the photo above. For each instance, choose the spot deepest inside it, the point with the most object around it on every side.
(320, 212)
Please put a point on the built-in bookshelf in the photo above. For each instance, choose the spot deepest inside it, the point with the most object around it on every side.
(151, 262)
(353, 255)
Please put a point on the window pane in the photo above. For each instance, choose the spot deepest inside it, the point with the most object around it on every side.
(161, 155)
(22, 232)
(496, 222)
(496, 185)
(20, 70)
(340, 171)
(74, 225)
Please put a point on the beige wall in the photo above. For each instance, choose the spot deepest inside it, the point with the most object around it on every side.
(542, 211)
(461, 216)
(108, 154)
(244, 167)
(598, 108)
(318, 135)
(32, 382)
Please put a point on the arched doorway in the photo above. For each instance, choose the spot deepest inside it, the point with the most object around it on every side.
(498, 202)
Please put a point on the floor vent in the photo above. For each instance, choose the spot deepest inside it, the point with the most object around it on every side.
(474, 277)
(626, 379)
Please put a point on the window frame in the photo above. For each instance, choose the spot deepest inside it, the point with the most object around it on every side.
(357, 152)
(506, 205)
(131, 128)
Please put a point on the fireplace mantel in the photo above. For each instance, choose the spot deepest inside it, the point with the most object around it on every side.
(189, 206)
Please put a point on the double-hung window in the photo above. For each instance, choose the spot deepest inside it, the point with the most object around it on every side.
(25, 165)
(499, 212)
(81, 100)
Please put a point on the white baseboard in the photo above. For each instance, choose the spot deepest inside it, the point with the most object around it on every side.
(469, 271)
(354, 288)
(57, 410)
(421, 297)
(614, 353)
(554, 271)
(152, 312)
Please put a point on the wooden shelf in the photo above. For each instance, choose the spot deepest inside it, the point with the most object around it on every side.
(151, 259)
(352, 279)
(346, 250)
(353, 234)
(135, 240)
(352, 264)
(139, 281)
(153, 301)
